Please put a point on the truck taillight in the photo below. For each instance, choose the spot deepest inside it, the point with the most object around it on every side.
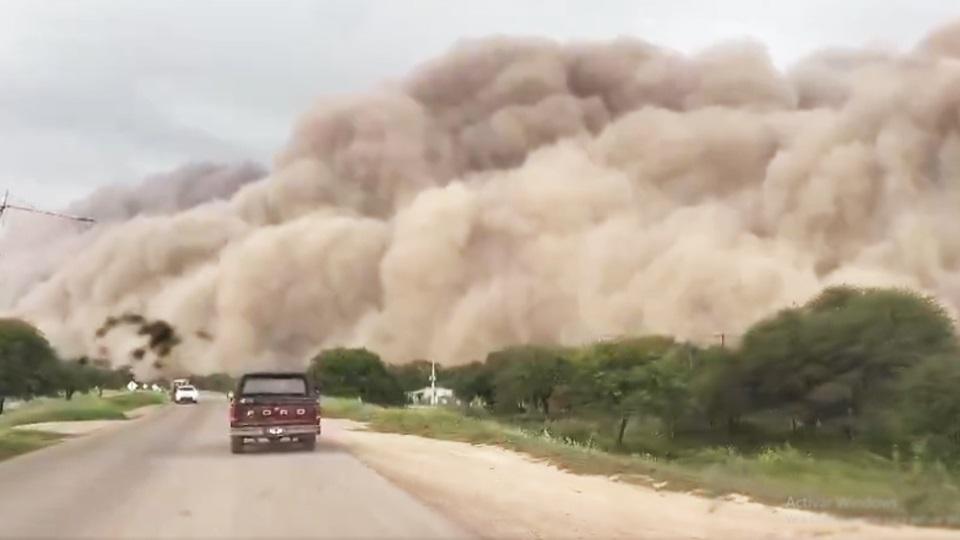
(233, 411)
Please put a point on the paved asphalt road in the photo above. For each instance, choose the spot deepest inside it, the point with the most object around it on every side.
(171, 475)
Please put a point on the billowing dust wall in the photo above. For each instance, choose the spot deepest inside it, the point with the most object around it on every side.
(519, 190)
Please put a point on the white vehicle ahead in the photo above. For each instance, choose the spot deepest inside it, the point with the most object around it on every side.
(186, 394)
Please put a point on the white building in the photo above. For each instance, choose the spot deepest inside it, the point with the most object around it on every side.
(431, 396)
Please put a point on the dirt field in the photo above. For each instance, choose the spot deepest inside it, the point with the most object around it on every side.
(502, 494)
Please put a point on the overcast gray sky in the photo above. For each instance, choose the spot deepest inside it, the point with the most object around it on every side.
(98, 91)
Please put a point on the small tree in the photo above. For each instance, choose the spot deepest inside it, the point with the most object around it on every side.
(355, 372)
(28, 364)
(413, 375)
(77, 376)
(719, 388)
(662, 390)
(117, 378)
(530, 375)
(610, 376)
(470, 381)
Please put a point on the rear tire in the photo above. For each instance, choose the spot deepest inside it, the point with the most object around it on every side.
(236, 445)
(309, 442)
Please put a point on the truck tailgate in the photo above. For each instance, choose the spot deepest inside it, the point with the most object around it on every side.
(274, 411)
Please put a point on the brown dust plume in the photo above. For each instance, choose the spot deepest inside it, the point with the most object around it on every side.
(521, 190)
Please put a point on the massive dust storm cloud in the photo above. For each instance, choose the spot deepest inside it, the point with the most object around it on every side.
(521, 190)
(33, 247)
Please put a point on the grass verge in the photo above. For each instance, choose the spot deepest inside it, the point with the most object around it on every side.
(849, 483)
(16, 442)
(128, 401)
(82, 407)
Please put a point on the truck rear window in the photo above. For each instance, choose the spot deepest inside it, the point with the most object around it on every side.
(286, 386)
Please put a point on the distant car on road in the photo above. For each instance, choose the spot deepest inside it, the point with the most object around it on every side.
(177, 383)
(186, 394)
(274, 407)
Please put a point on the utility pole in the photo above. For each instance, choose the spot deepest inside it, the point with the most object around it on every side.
(6, 205)
(433, 382)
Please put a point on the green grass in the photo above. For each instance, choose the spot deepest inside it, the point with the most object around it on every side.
(347, 408)
(16, 442)
(82, 407)
(134, 400)
(851, 481)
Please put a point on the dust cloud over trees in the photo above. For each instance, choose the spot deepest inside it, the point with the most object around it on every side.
(876, 367)
(528, 191)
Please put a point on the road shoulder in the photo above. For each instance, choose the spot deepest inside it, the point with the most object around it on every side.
(19, 441)
(498, 493)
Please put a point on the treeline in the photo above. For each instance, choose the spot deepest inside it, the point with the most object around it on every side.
(29, 367)
(876, 366)
(361, 373)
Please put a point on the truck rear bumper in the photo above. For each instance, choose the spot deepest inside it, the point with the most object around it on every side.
(274, 431)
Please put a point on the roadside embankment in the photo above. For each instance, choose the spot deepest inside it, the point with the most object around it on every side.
(45, 421)
(781, 490)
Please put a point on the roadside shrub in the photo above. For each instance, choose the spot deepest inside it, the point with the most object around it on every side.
(574, 429)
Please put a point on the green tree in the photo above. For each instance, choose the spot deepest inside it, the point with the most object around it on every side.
(414, 375)
(662, 390)
(77, 376)
(718, 387)
(99, 372)
(928, 405)
(611, 374)
(470, 381)
(355, 372)
(120, 377)
(839, 357)
(529, 376)
(28, 364)
(836, 297)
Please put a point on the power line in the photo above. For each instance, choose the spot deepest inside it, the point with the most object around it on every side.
(6, 205)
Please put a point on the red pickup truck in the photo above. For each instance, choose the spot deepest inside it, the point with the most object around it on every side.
(274, 407)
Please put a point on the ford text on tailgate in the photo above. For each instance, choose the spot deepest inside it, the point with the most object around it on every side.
(273, 407)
